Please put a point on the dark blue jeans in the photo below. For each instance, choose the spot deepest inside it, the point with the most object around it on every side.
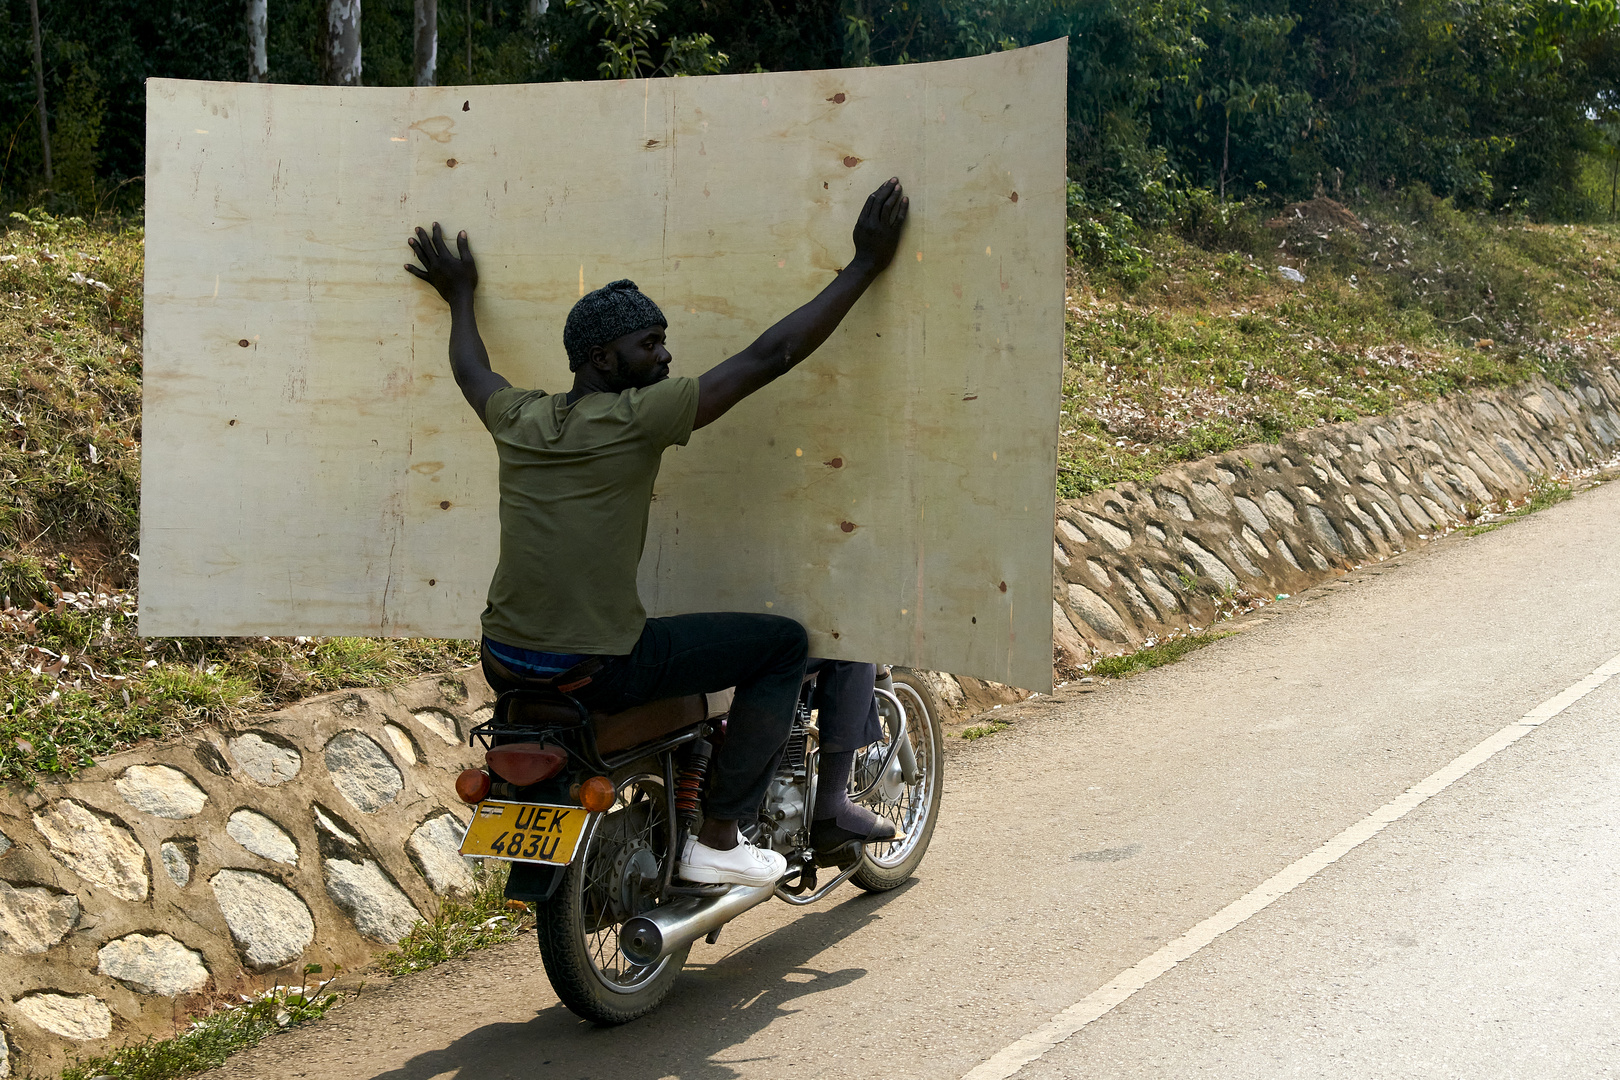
(763, 656)
(847, 713)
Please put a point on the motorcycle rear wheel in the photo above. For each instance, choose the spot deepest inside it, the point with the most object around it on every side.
(613, 878)
(914, 808)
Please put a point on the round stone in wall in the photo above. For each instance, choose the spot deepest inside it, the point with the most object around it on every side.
(1278, 508)
(101, 852)
(268, 922)
(262, 760)
(378, 908)
(327, 823)
(175, 863)
(362, 771)
(403, 746)
(161, 791)
(262, 836)
(440, 723)
(436, 847)
(1097, 613)
(153, 965)
(81, 1017)
(32, 919)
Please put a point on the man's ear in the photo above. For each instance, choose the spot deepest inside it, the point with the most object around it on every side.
(604, 361)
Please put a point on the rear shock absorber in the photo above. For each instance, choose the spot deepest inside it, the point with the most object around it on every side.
(689, 785)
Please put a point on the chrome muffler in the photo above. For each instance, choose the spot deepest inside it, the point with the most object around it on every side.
(653, 935)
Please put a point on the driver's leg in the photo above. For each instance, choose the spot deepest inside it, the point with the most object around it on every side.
(763, 656)
(848, 720)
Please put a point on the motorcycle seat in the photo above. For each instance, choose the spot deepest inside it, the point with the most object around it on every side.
(644, 723)
(621, 730)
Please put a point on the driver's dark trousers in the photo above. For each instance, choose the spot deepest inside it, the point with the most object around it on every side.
(846, 709)
(763, 656)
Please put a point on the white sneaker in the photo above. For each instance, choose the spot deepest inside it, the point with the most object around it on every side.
(744, 864)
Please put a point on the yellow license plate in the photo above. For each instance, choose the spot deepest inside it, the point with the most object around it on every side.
(524, 832)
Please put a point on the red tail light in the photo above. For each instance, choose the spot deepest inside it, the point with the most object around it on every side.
(527, 763)
(472, 786)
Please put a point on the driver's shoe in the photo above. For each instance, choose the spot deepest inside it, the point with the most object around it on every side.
(744, 864)
(832, 841)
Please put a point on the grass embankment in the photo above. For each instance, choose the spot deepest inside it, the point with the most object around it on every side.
(75, 681)
(1179, 349)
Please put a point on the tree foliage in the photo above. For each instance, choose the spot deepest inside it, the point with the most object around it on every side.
(1497, 104)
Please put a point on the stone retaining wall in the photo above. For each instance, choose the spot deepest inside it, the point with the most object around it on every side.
(229, 860)
(1139, 561)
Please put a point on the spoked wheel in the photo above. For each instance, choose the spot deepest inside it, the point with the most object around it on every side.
(615, 877)
(912, 803)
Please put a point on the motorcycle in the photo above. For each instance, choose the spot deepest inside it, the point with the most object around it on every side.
(591, 811)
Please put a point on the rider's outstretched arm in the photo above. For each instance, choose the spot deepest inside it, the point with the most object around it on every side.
(877, 235)
(456, 278)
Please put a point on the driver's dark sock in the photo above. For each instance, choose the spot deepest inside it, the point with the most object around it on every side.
(832, 796)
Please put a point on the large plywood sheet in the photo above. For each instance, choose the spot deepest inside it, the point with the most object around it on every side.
(311, 468)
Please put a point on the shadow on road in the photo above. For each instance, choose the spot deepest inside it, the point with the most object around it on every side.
(712, 1008)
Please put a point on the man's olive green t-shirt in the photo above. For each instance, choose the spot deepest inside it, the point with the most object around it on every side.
(576, 487)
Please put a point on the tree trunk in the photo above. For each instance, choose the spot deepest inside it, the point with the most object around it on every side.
(1226, 152)
(1614, 178)
(343, 42)
(427, 41)
(258, 21)
(39, 85)
(469, 40)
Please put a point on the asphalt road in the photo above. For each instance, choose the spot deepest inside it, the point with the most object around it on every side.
(1473, 937)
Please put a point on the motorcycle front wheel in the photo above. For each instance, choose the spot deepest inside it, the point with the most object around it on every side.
(913, 806)
(614, 877)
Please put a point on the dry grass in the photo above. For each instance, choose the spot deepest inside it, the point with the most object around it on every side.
(1214, 349)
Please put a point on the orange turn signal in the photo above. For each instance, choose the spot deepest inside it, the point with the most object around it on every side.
(472, 786)
(596, 794)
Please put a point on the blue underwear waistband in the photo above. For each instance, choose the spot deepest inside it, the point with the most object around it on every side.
(530, 662)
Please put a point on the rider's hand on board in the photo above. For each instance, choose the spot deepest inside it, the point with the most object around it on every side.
(453, 275)
(877, 230)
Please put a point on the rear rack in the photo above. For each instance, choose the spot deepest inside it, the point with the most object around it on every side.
(498, 726)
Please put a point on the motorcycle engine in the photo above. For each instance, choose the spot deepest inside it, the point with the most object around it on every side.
(782, 815)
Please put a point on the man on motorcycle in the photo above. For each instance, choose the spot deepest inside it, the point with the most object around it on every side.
(576, 479)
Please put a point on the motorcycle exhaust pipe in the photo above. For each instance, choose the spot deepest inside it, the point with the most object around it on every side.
(649, 937)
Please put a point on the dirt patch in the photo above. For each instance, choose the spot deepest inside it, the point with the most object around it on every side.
(1320, 213)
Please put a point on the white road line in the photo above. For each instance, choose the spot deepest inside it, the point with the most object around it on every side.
(1100, 1002)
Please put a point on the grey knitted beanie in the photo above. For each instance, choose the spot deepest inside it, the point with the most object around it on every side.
(616, 309)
